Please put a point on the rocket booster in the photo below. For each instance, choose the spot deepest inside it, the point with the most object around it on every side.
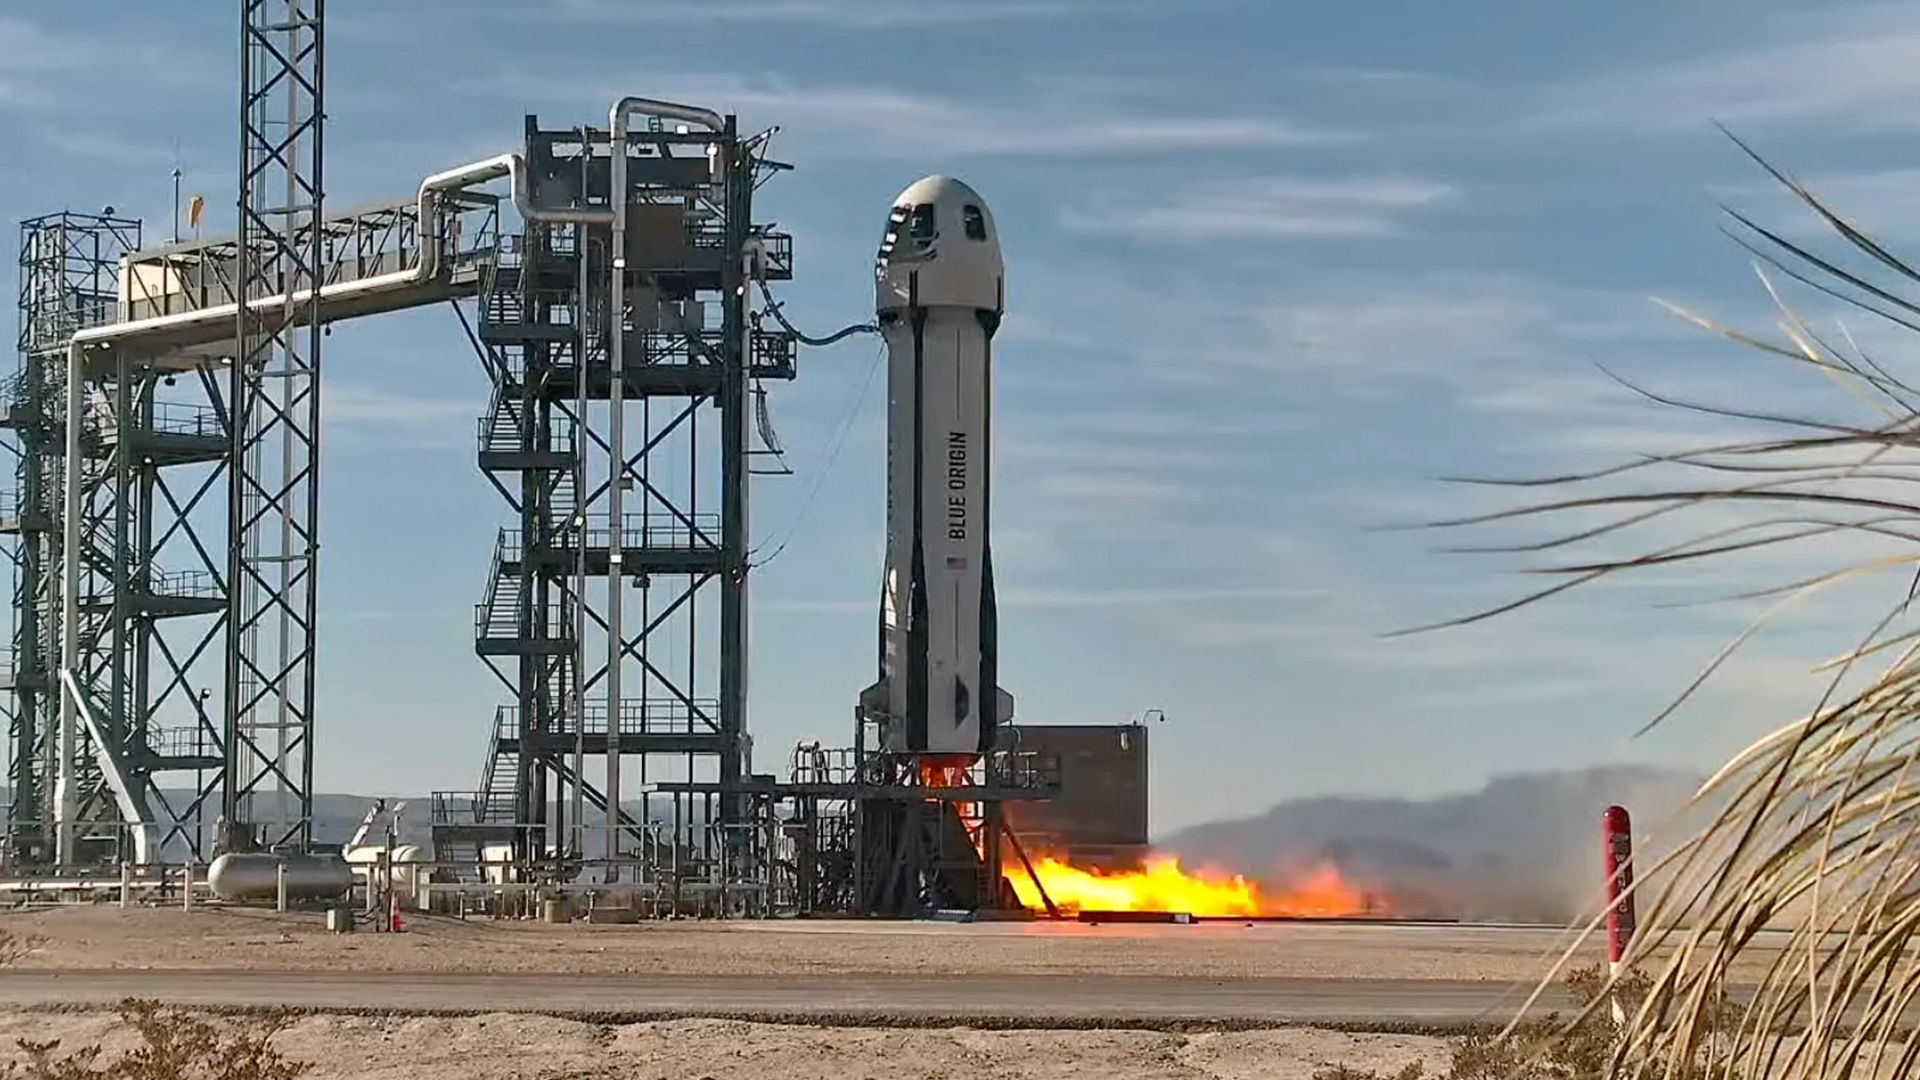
(940, 292)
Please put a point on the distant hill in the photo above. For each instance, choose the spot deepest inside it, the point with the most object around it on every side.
(1524, 848)
(336, 816)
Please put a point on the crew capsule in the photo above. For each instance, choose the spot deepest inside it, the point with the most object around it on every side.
(940, 249)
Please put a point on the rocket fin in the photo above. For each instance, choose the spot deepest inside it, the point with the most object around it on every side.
(1004, 712)
(873, 700)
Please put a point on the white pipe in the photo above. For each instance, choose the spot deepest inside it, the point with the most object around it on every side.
(64, 803)
(618, 120)
(512, 166)
(110, 770)
(617, 200)
(634, 106)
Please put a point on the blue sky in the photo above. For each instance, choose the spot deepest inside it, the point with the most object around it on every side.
(1272, 269)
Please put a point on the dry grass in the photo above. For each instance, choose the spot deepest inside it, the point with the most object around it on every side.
(1815, 827)
(14, 947)
(1585, 1046)
(172, 1045)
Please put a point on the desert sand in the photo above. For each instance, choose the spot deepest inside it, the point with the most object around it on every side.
(108, 938)
(522, 1047)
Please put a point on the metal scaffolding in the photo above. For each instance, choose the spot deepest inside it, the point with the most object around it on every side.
(146, 597)
(69, 268)
(624, 357)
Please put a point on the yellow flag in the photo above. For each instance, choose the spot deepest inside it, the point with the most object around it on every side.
(193, 211)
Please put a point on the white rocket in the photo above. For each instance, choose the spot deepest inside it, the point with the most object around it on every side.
(940, 287)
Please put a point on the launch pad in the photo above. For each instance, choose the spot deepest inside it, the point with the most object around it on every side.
(896, 835)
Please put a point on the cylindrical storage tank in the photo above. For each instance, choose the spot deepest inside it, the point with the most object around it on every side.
(252, 875)
(555, 909)
(407, 877)
(494, 862)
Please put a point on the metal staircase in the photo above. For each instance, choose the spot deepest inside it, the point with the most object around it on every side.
(500, 428)
(526, 447)
(496, 623)
(501, 772)
(506, 623)
(464, 823)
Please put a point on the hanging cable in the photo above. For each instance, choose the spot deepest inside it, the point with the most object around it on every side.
(773, 309)
(831, 455)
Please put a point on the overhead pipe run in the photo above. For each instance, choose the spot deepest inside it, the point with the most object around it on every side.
(434, 245)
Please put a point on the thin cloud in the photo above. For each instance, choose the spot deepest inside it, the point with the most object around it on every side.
(1850, 68)
(1223, 412)
(837, 14)
(1280, 208)
(37, 65)
(889, 122)
(1359, 336)
(367, 411)
(1065, 599)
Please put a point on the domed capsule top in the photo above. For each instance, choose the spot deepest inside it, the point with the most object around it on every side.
(941, 249)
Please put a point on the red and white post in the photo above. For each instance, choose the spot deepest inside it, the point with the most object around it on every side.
(1617, 852)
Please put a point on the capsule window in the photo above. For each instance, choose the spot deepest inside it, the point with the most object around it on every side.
(920, 226)
(976, 222)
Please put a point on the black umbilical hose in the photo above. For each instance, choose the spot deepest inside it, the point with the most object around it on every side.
(773, 309)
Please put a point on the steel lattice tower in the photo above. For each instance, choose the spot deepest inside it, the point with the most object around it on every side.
(148, 595)
(67, 265)
(273, 491)
(624, 358)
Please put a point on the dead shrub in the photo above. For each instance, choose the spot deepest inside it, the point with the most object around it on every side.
(173, 1045)
(14, 947)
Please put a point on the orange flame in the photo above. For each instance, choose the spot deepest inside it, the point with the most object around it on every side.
(946, 771)
(1164, 886)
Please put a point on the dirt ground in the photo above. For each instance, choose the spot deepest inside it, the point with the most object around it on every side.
(503, 1046)
(107, 937)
